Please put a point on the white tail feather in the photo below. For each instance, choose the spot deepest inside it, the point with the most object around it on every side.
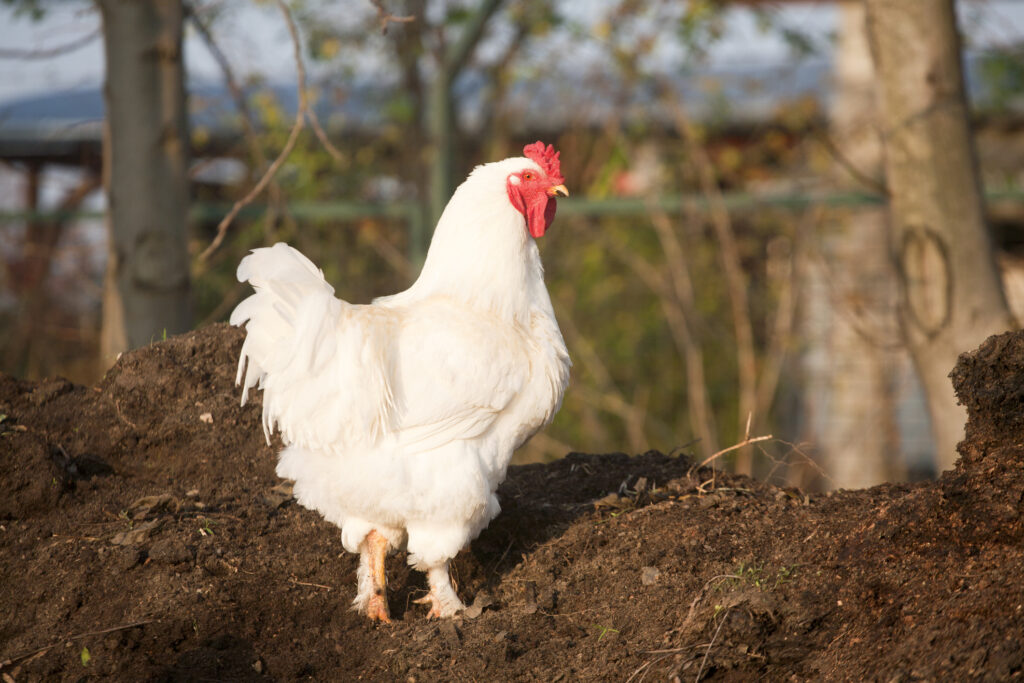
(321, 362)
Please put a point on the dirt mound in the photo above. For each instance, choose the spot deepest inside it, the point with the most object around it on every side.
(144, 535)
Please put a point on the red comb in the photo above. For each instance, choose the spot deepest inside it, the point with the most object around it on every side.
(547, 158)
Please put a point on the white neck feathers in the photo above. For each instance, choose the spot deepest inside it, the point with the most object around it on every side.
(481, 252)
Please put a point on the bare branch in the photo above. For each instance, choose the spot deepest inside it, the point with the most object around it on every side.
(314, 121)
(386, 18)
(785, 314)
(248, 128)
(680, 315)
(860, 176)
(746, 359)
(258, 158)
(607, 396)
(7, 53)
(387, 251)
(300, 120)
(684, 322)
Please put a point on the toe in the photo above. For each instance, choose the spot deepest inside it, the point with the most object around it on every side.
(377, 609)
(435, 605)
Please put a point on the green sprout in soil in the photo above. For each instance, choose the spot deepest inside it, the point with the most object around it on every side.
(604, 630)
(759, 578)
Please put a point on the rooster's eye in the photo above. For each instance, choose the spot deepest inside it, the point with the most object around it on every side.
(527, 176)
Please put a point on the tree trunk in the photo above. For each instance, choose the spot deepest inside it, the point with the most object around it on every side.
(951, 295)
(441, 122)
(147, 293)
(858, 434)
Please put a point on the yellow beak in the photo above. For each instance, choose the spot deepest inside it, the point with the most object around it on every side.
(558, 191)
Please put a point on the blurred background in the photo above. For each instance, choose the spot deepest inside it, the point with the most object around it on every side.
(724, 265)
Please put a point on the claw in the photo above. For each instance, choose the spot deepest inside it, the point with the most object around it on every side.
(442, 598)
(377, 609)
(434, 602)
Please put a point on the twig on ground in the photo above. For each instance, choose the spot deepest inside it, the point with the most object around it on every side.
(644, 667)
(704, 661)
(311, 585)
(702, 592)
(741, 444)
(786, 460)
(501, 559)
(17, 658)
(747, 440)
(117, 406)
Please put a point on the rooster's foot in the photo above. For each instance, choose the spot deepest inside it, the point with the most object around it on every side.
(377, 609)
(443, 603)
(372, 597)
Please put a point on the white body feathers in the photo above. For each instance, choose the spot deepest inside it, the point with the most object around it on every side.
(402, 415)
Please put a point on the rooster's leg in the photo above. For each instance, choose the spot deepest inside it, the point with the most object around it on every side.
(372, 598)
(442, 598)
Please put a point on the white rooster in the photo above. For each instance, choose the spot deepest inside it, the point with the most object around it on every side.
(400, 417)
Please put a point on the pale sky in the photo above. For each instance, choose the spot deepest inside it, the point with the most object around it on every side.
(255, 40)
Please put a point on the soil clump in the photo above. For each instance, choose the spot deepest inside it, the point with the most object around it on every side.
(145, 536)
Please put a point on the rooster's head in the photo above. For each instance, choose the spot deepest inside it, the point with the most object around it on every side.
(532, 191)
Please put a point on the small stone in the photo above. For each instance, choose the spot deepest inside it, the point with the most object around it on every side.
(143, 506)
(706, 502)
(530, 589)
(207, 418)
(546, 600)
(481, 601)
(216, 566)
(612, 500)
(137, 534)
(278, 495)
(650, 575)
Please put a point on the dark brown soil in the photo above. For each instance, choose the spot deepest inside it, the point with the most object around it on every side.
(144, 536)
